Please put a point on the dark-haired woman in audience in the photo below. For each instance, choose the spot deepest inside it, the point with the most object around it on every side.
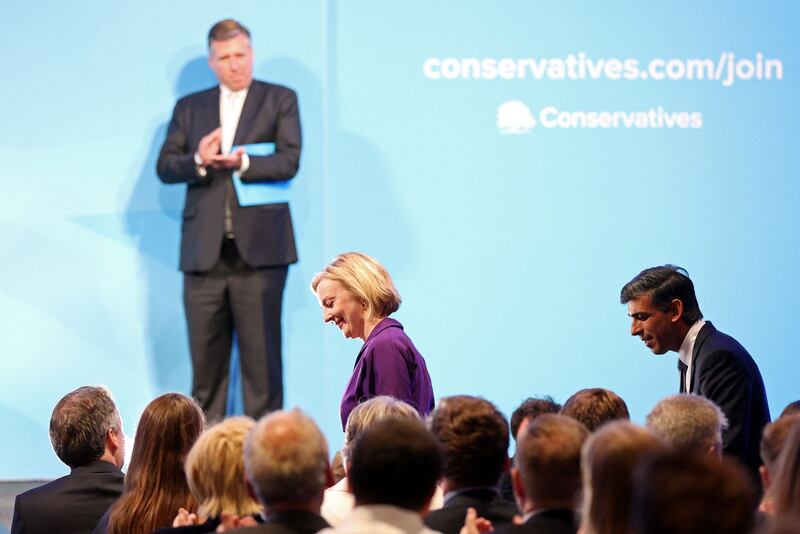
(155, 485)
(357, 295)
(215, 473)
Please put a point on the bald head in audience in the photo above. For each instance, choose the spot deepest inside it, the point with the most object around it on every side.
(286, 462)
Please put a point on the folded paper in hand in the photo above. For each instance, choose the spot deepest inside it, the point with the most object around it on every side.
(256, 193)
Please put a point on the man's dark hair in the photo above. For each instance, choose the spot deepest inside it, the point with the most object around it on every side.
(531, 408)
(595, 406)
(679, 493)
(226, 29)
(396, 462)
(474, 437)
(664, 284)
(791, 408)
(80, 423)
(549, 457)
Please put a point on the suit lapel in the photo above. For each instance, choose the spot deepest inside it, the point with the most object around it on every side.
(251, 103)
(702, 335)
(210, 111)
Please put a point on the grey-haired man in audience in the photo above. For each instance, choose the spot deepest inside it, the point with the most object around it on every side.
(86, 433)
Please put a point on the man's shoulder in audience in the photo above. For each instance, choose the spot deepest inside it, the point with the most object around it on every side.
(487, 501)
(556, 521)
(72, 503)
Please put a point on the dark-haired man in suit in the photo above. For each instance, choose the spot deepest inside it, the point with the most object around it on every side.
(86, 433)
(234, 258)
(547, 475)
(474, 439)
(666, 316)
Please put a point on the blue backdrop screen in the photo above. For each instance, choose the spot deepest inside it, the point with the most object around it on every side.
(512, 164)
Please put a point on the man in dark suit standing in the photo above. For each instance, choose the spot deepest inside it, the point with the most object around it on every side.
(666, 316)
(474, 437)
(234, 258)
(86, 433)
(547, 475)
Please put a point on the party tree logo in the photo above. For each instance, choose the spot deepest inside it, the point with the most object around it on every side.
(514, 117)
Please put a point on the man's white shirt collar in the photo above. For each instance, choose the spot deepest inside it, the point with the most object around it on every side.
(687, 348)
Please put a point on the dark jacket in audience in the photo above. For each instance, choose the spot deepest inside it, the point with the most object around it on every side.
(288, 522)
(553, 521)
(70, 504)
(487, 501)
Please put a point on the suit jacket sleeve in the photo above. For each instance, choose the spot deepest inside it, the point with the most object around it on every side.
(724, 380)
(176, 161)
(283, 164)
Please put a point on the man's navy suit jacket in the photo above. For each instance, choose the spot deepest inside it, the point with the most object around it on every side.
(70, 504)
(552, 521)
(264, 234)
(487, 501)
(725, 373)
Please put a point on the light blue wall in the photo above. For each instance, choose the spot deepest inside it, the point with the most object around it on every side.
(509, 250)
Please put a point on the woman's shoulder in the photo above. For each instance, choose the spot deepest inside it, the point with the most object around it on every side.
(389, 338)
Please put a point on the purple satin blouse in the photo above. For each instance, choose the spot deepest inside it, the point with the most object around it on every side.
(389, 364)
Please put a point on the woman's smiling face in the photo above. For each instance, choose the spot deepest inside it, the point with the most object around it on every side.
(341, 307)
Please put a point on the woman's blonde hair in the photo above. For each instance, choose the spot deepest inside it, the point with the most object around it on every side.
(215, 470)
(366, 278)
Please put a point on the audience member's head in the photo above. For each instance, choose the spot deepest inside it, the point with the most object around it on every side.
(474, 438)
(530, 409)
(688, 422)
(772, 441)
(791, 408)
(547, 465)
(370, 412)
(286, 462)
(155, 484)
(683, 492)
(784, 488)
(595, 406)
(85, 426)
(395, 462)
(607, 462)
(215, 470)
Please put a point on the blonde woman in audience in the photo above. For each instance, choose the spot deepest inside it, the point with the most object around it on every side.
(215, 473)
(155, 485)
(608, 459)
(358, 295)
(339, 499)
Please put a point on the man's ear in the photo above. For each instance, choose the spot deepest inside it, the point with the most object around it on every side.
(763, 472)
(676, 309)
(113, 440)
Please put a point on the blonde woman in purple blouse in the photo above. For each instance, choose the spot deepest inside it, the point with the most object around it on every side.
(357, 295)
